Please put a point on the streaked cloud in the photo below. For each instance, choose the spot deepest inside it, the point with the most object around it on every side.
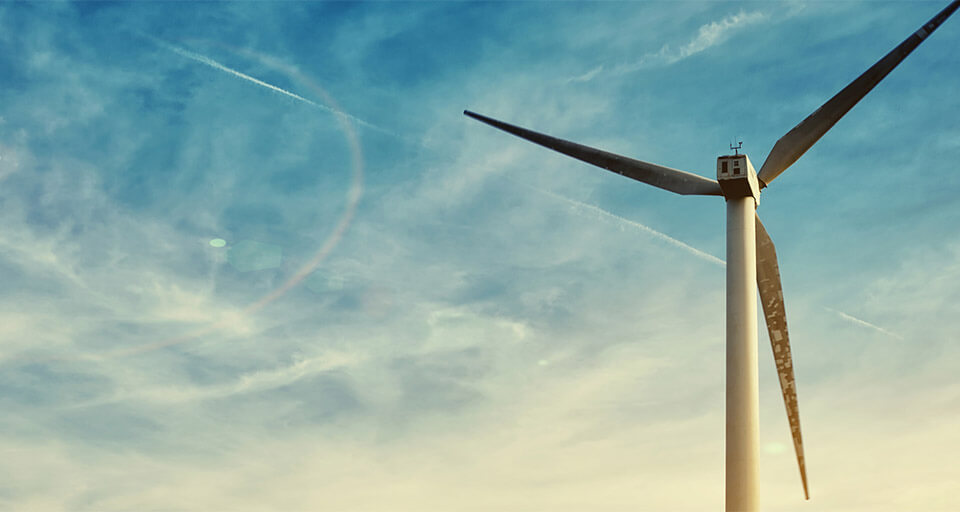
(586, 77)
(707, 36)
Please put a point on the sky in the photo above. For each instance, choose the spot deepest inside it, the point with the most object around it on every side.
(253, 256)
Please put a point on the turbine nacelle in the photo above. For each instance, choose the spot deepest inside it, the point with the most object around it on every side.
(737, 177)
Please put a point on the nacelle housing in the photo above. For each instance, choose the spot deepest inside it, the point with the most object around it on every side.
(737, 177)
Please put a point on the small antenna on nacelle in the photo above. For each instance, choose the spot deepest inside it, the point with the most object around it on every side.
(736, 149)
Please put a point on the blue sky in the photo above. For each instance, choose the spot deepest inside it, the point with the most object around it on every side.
(413, 311)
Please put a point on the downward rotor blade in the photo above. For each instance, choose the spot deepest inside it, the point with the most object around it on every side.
(771, 295)
(652, 174)
(797, 141)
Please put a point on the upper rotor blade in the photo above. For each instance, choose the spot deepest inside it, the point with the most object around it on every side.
(771, 296)
(663, 177)
(798, 140)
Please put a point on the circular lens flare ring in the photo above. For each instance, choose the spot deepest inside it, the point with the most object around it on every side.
(354, 194)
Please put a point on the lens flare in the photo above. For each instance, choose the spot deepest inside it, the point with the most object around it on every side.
(354, 193)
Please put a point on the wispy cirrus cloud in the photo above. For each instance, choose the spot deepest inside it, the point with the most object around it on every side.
(708, 35)
(252, 382)
(711, 34)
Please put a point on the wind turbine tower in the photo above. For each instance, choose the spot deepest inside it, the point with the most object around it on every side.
(750, 255)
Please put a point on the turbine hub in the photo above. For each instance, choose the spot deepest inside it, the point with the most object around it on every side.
(737, 177)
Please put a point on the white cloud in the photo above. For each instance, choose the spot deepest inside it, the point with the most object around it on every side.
(708, 36)
(712, 34)
(586, 77)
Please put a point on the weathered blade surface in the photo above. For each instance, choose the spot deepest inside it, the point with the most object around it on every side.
(797, 141)
(663, 177)
(771, 296)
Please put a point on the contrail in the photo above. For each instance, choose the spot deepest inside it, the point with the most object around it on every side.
(216, 65)
(657, 234)
(696, 252)
(692, 250)
(864, 323)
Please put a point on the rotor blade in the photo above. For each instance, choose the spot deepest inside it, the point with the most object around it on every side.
(771, 296)
(663, 177)
(797, 141)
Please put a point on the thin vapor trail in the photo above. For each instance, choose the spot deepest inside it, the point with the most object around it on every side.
(218, 66)
(646, 229)
(697, 252)
(864, 323)
(692, 250)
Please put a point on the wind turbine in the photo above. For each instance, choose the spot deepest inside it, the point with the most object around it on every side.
(750, 252)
